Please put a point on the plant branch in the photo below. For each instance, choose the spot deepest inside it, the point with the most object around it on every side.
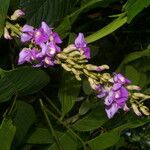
(77, 136)
(50, 125)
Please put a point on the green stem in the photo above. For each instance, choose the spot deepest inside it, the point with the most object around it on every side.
(77, 136)
(13, 104)
(141, 101)
(50, 125)
(51, 103)
(13, 27)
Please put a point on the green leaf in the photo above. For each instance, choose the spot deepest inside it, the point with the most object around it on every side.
(46, 10)
(65, 26)
(104, 141)
(23, 80)
(67, 141)
(23, 119)
(133, 7)
(68, 92)
(92, 121)
(86, 87)
(134, 56)
(40, 136)
(111, 27)
(110, 138)
(7, 132)
(4, 5)
(85, 107)
(132, 74)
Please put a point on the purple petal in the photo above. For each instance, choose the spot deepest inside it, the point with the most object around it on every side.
(27, 28)
(116, 86)
(119, 78)
(87, 52)
(110, 98)
(25, 37)
(80, 41)
(46, 28)
(56, 37)
(111, 110)
(24, 56)
(40, 36)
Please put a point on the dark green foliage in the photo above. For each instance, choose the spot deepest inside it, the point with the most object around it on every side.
(70, 116)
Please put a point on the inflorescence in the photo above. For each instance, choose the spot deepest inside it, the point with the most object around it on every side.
(43, 50)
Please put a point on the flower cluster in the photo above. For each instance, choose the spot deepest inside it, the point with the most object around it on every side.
(43, 46)
(117, 95)
(44, 51)
(10, 30)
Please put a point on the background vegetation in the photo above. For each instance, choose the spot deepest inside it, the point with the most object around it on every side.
(118, 33)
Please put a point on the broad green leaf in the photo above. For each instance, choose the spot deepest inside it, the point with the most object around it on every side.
(133, 7)
(134, 56)
(7, 132)
(24, 117)
(4, 5)
(104, 141)
(46, 10)
(111, 27)
(92, 121)
(40, 136)
(67, 141)
(85, 107)
(68, 92)
(86, 87)
(65, 26)
(132, 74)
(23, 80)
(110, 138)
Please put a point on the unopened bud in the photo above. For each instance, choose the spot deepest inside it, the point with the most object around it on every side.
(145, 110)
(82, 61)
(69, 48)
(78, 66)
(70, 61)
(61, 56)
(6, 34)
(103, 67)
(74, 53)
(91, 67)
(126, 108)
(133, 87)
(106, 76)
(92, 84)
(136, 110)
(17, 14)
(66, 67)
(139, 95)
(78, 77)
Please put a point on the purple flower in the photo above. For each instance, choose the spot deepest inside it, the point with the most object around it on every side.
(7, 34)
(27, 55)
(81, 44)
(48, 49)
(46, 28)
(17, 14)
(27, 33)
(119, 78)
(115, 100)
(40, 36)
(48, 62)
(55, 38)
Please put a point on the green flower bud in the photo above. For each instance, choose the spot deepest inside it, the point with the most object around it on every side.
(69, 48)
(135, 109)
(66, 67)
(145, 110)
(61, 56)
